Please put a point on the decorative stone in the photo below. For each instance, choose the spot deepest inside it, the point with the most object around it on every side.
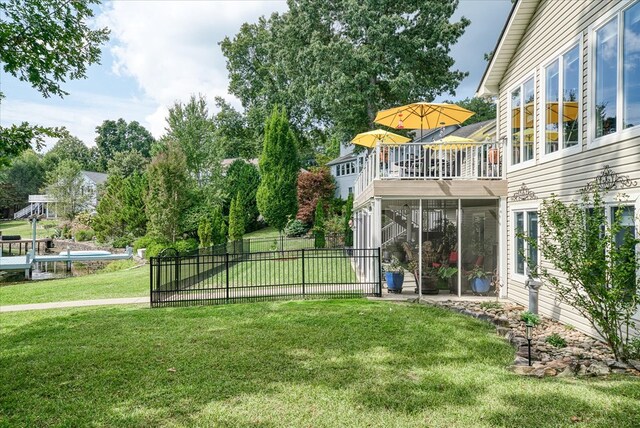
(598, 369)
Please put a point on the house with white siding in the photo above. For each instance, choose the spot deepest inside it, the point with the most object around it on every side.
(566, 75)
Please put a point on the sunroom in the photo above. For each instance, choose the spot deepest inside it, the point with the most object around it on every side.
(436, 213)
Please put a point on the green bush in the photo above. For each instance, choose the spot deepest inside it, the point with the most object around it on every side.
(295, 228)
(122, 242)
(186, 245)
(556, 340)
(119, 265)
(144, 242)
(85, 235)
(530, 318)
(634, 348)
(154, 248)
(490, 305)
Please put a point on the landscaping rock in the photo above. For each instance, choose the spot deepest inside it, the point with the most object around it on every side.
(583, 355)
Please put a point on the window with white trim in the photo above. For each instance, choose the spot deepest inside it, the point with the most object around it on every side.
(617, 72)
(561, 107)
(525, 255)
(522, 107)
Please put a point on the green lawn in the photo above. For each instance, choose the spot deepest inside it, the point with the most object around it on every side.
(287, 364)
(267, 232)
(124, 283)
(24, 228)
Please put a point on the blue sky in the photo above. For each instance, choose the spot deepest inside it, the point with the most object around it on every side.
(163, 51)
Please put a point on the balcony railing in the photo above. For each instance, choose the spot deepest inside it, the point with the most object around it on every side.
(419, 161)
(41, 198)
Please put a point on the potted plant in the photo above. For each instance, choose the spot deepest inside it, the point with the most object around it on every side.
(480, 283)
(445, 273)
(394, 274)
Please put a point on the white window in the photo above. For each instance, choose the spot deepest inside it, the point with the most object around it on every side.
(615, 104)
(525, 256)
(561, 102)
(522, 119)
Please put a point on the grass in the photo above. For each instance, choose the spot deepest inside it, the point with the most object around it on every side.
(267, 232)
(311, 363)
(123, 283)
(24, 228)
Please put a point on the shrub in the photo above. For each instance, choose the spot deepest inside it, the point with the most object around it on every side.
(530, 318)
(119, 265)
(295, 228)
(144, 242)
(312, 187)
(85, 235)
(556, 340)
(185, 246)
(598, 257)
(490, 305)
(634, 348)
(122, 242)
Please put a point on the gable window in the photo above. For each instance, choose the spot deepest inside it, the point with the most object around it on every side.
(525, 255)
(522, 122)
(617, 73)
(561, 108)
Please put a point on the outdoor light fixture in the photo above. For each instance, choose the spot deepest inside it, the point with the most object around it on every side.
(529, 337)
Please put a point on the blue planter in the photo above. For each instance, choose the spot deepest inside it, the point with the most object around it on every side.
(394, 281)
(480, 285)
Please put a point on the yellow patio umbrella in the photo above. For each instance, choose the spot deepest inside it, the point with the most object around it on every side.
(529, 133)
(423, 115)
(570, 110)
(451, 142)
(371, 138)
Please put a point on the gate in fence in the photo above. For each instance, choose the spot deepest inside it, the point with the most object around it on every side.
(233, 273)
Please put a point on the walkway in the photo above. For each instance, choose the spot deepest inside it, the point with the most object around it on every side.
(75, 304)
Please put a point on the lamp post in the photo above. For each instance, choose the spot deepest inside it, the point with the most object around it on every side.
(529, 337)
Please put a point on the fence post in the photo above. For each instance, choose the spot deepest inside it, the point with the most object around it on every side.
(379, 273)
(151, 281)
(226, 269)
(177, 272)
(303, 290)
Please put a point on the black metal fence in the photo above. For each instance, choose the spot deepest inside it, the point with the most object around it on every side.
(216, 275)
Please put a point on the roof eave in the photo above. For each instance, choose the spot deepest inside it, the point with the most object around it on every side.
(490, 82)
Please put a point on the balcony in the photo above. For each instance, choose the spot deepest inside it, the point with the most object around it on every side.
(41, 198)
(431, 162)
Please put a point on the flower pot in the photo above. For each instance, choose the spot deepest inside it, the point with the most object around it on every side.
(429, 285)
(394, 281)
(480, 285)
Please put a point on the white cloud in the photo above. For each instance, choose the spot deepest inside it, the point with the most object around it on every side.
(171, 48)
(79, 117)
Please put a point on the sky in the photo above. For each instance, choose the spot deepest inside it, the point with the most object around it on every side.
(161, 52)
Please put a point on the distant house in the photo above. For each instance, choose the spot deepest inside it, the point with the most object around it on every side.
(345, 169)
(45, 205)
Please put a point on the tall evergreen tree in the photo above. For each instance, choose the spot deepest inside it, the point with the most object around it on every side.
(236, 219)
(243, 178)
(279, 166)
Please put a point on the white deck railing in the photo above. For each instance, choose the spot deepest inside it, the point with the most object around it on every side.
(417, 161)
(41, 198)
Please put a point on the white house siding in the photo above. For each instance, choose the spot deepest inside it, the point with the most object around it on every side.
(554, 26)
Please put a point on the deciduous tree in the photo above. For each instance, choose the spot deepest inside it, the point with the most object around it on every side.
(166, 199)
(119, 136)
(313, 186)
(66, 185)
(334, 64)
(43, 43)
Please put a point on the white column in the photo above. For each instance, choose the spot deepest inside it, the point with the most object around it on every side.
(459, 247)
(502, 246)
(410, 218)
